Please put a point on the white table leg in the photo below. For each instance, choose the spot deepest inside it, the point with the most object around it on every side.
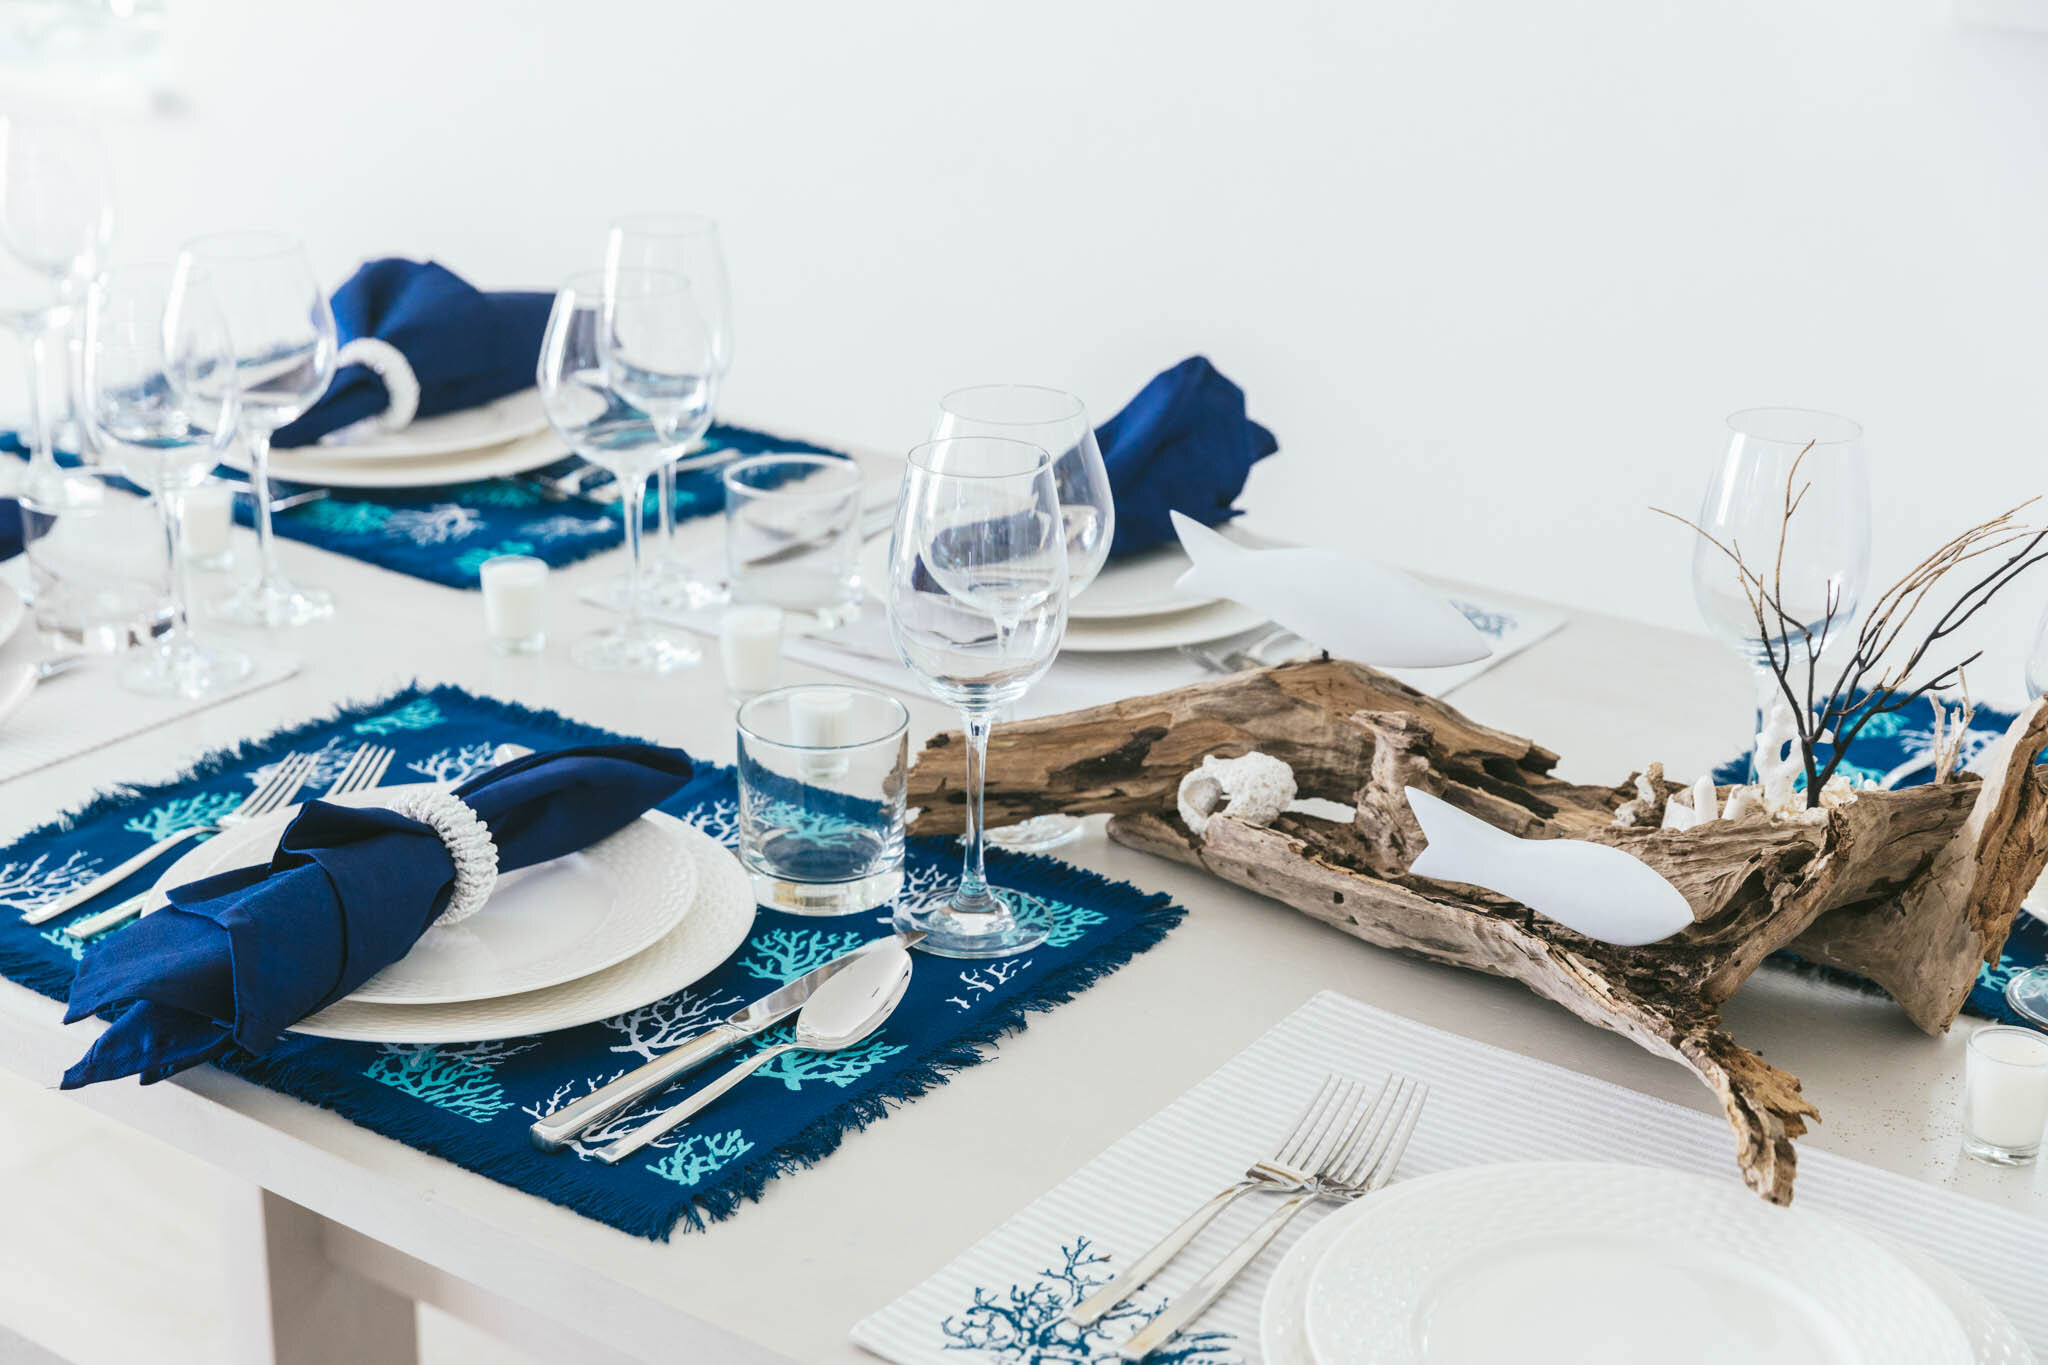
(291, 1305)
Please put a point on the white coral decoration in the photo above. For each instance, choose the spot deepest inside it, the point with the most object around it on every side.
(1703, 805)
(1648, 798)
(1777, 770)
(469, 846)
(1254, 788)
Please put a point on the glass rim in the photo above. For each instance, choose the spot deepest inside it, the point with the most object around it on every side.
(1755, 424)
(503, 562)
(1076, 409)
(919, 453)
(2038, 1037)
(246, 244)
(662, 223)
(901, 726)
(771, 457)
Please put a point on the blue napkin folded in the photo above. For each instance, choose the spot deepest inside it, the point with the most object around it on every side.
(465, 346)
(12, 531)
(1182, 445)
(239, 957)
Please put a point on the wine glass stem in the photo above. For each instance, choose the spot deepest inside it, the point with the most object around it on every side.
(42, 455)
(635, 519)
(665, 489)
(259, 489)
(170, 505)
(974, 893)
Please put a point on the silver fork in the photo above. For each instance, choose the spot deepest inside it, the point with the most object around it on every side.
(1291, 1166)
(365, 769)
(1233, 657)
(1371, 1150)
(280, 787)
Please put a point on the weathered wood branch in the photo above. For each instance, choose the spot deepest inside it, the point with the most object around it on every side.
(1913, 889)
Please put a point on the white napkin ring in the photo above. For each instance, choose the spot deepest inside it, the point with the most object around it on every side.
(470, 847)
(394, 369)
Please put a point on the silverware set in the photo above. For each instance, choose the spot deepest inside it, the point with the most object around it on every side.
(1262, 648)
(1345, 1144)
(365, 769)
(876, 975)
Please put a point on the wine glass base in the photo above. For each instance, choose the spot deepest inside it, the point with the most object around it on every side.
(274, 603)
(187, 670)
(676, 585)
(1020, 924)
(1036, 835)
(620, 651)
(2027, 994)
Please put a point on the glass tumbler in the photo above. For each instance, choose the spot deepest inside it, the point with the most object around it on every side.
(792, 536)
(821, 772)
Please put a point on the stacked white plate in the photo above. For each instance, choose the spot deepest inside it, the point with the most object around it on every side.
(508, 436)
(1583, 1264)
(635, 917)
(1133, 605)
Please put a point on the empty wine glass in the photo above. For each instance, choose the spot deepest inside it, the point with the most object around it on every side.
(596, 422)
(57, 222)
(1057, 422)
(686, 245)
(161, 403)
(283, 331)
(1816, 560)
(977, 608)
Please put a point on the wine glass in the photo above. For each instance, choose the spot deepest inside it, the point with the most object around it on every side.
(684, 244)
(1058, 423)
(2027, 991)
(283, 332)
(1816, 561)
(57, 221)
(977, 606)
(596, 422)
(160, 400)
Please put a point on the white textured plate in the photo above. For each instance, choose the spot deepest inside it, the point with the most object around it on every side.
(526, 445)
(452, 433)
(1142, 585)
(718, 921)
(543, 925)
(1283, 1315)
(1197, 626)
(1582, 1264)
(13, 611)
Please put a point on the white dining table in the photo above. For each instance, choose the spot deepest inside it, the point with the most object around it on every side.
(338, 1231)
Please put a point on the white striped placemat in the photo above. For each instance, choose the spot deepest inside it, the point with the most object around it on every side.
(1003, 1300)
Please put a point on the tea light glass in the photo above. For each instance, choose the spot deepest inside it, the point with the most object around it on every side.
(750, 650)
(821, 777)
(2005, 1103)
(515, 603)
(792, 536)
(209, 521)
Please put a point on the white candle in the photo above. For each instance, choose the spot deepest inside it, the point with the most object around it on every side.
(750, 649)
(209, 515)
(818, 718)
(515, 603)
(2006, 1092)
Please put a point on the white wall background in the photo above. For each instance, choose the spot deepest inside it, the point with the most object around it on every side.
(1494, 270)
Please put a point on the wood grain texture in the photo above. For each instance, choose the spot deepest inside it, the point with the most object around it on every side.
(1913, 889)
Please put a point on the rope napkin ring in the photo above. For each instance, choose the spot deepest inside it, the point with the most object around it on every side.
(391, 366)
(470, 847)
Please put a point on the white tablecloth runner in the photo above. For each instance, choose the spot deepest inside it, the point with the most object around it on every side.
(1485, 1105)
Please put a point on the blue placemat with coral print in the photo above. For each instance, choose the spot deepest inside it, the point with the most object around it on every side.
(471, 1104)
(1890, 742)
(443, 534)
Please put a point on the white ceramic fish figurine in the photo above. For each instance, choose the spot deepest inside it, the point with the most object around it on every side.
(1592, 889)
(1352, 607)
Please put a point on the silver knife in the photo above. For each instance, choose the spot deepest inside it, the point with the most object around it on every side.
(554, 1132)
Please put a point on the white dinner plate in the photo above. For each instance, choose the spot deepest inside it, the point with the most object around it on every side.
(543, 925)
(452, 433)
(1584, 1264)
(1197, 626)
(524, 444)
(13, 611)
(721, 913)
(1142, 584)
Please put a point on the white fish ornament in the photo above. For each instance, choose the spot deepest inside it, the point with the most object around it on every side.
(1353, 608)
(1591, 889)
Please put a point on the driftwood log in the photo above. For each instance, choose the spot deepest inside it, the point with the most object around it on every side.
(1912, 889)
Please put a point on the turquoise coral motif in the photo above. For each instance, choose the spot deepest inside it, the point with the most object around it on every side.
(783, 955)
(182, 813)
(459, 1080)
(797, 1069)
(700, 1155)
(337, 516)
(418, 714)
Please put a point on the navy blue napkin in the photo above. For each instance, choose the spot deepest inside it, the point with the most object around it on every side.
(465, 346)
(1182, 445)
(12, 532)
(241, 956)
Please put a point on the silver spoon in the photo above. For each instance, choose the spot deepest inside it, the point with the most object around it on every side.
(843, 1013)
